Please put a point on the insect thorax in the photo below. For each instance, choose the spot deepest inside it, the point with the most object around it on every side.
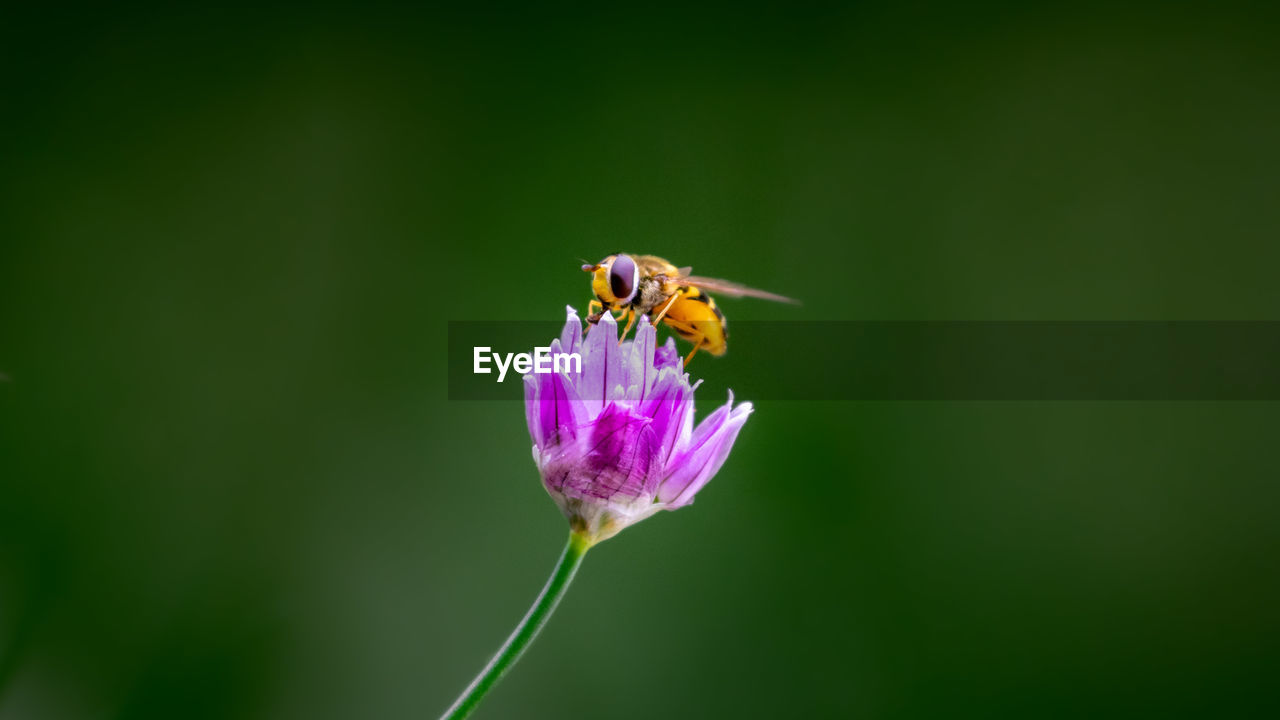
(650, 295)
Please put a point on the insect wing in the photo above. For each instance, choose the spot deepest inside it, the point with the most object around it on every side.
(732, 289)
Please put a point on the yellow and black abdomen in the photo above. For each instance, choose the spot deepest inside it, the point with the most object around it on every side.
(695, 317)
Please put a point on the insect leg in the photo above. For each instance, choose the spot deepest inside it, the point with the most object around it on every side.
(665, 308)
(631, 320)
(691, 333)
(692, 352)
(595, 309)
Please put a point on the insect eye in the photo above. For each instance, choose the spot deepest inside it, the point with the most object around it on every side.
(623, 277)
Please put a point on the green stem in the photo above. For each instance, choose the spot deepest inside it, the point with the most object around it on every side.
(526, 631)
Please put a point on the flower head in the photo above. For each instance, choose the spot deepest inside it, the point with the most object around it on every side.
(616, 442)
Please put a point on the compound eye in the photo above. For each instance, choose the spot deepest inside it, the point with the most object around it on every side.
(623, 278)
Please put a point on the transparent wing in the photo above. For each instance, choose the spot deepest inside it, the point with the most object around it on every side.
(732, 289)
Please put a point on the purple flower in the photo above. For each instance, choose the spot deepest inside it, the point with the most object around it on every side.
(616, 443)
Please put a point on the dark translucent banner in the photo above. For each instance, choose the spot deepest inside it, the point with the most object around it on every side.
(953, 361)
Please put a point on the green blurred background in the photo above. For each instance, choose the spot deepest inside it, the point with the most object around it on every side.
(232, 484)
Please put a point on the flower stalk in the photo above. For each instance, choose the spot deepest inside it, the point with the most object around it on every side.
(526, 631)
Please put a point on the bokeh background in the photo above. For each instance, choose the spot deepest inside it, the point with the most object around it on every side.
(232, 484)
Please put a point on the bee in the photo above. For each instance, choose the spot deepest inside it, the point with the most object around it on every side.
(649, 286)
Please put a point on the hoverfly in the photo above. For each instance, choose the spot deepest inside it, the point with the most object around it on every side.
(647, 285)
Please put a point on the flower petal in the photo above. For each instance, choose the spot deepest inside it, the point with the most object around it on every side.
(531, 409)
(693, 466)
(668, 355)
(637, 362)
(553, 407)
(571, 335)
(669, 402)
(601, 364)
(619, 459)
